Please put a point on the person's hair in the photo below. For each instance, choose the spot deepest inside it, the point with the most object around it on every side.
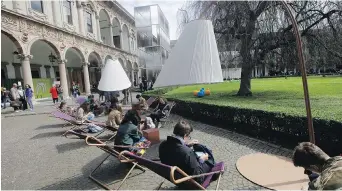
(307, 154)
(182, 128)
(28, 85)
(85, 106)
(138, 96)
(114, 100)
(115, 107)
(62, 104)
(131, 116)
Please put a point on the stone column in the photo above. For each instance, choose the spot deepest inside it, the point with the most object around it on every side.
(86, 77)
(81, 21)
(63, 78)
(111, 40)
(26, 68)
(97, 25)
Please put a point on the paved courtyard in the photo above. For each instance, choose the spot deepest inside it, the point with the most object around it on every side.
(36, 156)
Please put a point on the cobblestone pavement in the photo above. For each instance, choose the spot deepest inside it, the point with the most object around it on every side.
(36, 156)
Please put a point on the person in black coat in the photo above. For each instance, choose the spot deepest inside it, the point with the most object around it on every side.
(176, 151)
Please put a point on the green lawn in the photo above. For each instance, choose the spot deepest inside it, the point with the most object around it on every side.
(274, 94)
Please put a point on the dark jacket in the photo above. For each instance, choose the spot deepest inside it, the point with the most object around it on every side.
(128, 134)
(174, 153)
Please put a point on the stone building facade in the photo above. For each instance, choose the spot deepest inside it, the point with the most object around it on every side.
(66, 41)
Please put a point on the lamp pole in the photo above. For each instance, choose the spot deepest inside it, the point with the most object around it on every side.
(303, 70)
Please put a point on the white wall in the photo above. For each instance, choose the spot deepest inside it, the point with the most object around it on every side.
(231, 73)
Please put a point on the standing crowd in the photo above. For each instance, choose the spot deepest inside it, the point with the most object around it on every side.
(17, 97)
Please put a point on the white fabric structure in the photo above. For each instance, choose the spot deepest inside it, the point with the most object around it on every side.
(113, 77)
(194, 59)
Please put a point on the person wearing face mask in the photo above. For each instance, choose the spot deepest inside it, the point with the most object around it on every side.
(22, 98)
(179, 145)
(325, 172)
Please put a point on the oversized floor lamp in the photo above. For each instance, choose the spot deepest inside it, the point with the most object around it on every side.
(303, 71)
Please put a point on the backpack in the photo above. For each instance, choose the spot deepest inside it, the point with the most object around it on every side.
(203, 148)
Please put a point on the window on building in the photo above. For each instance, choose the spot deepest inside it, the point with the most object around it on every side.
(37, 6)
(89, 22)
(67, 11)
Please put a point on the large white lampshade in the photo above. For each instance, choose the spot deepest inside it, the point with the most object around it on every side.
(194, 59)
(113, 77)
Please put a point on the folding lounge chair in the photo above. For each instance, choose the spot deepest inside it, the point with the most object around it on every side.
(173, 173)
(71, 120)
(111, 152)
(100, 124)
(165, 119)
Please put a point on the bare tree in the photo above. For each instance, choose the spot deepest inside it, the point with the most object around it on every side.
(262, 29)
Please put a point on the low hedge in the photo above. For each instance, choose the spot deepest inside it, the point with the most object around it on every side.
(276, 128)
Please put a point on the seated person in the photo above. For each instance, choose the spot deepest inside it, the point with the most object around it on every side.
(142, 102)
(115, 116)
(148, 124)
(83, 113)
(176, 151)
(314, 160)
(66, 109)
(128, 133)
(161, 111)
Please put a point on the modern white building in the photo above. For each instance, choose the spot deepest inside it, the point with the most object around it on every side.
(153, 39)
(44, 42)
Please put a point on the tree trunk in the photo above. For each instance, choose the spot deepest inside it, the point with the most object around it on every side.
(245, 84)
(246, 70)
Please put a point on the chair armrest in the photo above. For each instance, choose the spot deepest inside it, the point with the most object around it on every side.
(187, 177)
(100, 143)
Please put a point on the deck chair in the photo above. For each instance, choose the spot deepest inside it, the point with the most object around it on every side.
(165, 119)
(173, 173)
(75, 126)
(83, 134)
(111, 152)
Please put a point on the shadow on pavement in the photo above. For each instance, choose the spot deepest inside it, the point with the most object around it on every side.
(48, 134)
(62, 148)
(60, 125)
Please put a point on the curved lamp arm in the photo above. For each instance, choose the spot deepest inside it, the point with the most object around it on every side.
(303, 71)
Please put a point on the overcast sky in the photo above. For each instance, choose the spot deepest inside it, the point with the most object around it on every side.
(169, 9)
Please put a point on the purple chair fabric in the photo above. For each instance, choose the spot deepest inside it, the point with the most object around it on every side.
(218, 167)
(62, 115)
(81, 100)
(164, 170)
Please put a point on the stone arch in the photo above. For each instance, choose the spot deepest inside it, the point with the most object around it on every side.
(129, 66)
(123, 60)
(135, 66)
(96, 56)
(95, 65)
(77, 50)
(105, 24)
(125, 37)
(15, 41)
(41, 67)
(116, 29)
(106, 58)
(53, 46)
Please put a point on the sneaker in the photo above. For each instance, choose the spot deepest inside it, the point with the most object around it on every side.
(16, 111)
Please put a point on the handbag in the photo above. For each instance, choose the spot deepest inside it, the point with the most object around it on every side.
(203, 148)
